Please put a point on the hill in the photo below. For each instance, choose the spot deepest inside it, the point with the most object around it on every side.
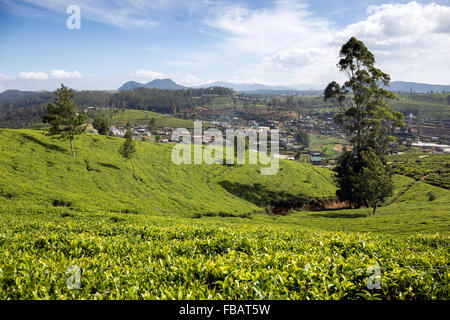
(398, 86)
(38, 171)
(245, 87)
(202, 232)
(14, 95)
(404, 86)
(163, 84)
(140, 117)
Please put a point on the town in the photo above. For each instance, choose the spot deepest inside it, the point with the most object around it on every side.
(430, 136)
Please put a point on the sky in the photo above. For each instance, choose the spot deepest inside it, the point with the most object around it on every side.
(285, 42)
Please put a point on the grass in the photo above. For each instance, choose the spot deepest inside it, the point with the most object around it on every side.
(200, 232)
(135, 257)
(432, 168)
(220, 102)
(141, 117)
(324, 143)
(38, 170)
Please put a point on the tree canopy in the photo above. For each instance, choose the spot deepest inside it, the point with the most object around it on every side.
(361, 174)
(101, 125)
(364, 113)
(63, 116)
(128, 149)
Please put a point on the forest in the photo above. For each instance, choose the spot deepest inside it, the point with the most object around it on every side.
(28, 110)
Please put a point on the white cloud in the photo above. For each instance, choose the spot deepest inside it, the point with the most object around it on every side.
(58, 74)
(244, 79)
(291, 45)
(190, 80)
(269, 30)
(5, 77)
(119, 13)
(62, 74)
(145, 74)
(33, 75)
(286, 44)
(411, 41)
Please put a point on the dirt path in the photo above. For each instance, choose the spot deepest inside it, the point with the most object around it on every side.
(408, 188)
(338, 147)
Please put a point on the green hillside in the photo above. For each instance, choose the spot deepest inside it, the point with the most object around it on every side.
(39, 172)
(140, 117)
(202, 232)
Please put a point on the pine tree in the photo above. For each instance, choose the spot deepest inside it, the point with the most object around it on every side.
(128, 149)
(63, 116)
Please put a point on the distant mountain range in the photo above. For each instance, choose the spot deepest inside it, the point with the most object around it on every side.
(404, 86)
(246, 87)
(169, 84)
(14, 95)
(164, 84)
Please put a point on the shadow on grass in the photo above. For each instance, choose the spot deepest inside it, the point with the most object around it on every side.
(261, 196)
(108, 165)
(335, 214)
(278, 202)
(42, 143)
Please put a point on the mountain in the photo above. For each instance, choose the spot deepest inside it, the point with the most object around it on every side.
(130, 85)
(246, 87)
(404, 86)
(164, 84)
(401, 86)
(14, 95)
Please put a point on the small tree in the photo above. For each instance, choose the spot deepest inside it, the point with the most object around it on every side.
(302, 137)
(374, 182)
(152, 124)
(128, 149)
(63, 116)
(101, 125)
(345, 172)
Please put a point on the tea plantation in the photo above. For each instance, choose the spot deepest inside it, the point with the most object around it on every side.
(203, 232)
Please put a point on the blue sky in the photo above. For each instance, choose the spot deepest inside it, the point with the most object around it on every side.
(286, 42)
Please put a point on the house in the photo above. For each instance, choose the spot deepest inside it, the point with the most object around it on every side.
(317, 160)
(117, 132)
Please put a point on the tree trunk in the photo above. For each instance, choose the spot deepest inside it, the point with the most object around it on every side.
(374, 208)
(71, 147)
(132, 167)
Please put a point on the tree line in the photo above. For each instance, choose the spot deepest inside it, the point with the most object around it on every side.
(29, 110)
